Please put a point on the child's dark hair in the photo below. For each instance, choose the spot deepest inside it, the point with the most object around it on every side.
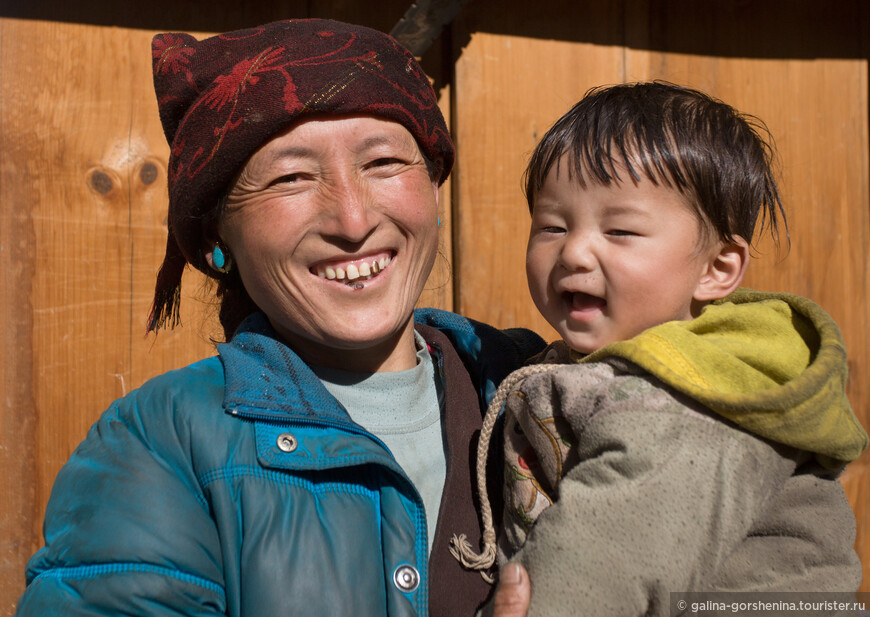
(720, 159)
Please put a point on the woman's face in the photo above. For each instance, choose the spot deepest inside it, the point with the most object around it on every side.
(333, 226)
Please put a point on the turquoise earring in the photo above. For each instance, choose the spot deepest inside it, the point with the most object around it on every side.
(223, 262)
(439, 221)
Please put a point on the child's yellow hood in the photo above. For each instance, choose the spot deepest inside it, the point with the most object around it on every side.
(775, 364)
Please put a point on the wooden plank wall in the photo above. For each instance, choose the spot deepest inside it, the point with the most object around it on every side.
(82, 183)
(83, 207)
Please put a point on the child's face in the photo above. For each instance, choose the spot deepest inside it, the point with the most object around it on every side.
(605, 263)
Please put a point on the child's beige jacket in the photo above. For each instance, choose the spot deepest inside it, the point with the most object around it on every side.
(656, 492)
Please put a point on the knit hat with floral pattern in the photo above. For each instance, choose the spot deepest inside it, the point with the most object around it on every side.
(223, 97)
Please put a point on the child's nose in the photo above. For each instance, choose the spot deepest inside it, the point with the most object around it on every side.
(578, 254)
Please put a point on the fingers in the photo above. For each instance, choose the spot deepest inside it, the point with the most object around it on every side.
(514, 592)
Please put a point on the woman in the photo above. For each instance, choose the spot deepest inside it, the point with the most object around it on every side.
(312, 465)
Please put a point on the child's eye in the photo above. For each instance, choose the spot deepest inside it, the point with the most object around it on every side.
(551, 229)
(620, 232)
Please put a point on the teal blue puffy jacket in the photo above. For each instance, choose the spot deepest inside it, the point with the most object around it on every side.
(239, 486)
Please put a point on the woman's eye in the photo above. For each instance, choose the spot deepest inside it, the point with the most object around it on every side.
(287, 179)
(384, 161)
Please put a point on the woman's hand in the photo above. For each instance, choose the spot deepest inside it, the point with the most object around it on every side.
(513, 593)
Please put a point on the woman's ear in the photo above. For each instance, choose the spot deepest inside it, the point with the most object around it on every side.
(214, 250)
(216, 253)
(724, 271)
(437, 188)
(209, 257)
(218, 257)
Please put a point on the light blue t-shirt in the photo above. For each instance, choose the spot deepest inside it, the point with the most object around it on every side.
(402, 409)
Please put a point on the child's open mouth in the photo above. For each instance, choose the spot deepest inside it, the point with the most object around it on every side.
(579, 301)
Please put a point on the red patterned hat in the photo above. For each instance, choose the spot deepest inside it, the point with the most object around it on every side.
(222, 98)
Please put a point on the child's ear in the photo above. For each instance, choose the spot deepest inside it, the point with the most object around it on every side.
(724, 271)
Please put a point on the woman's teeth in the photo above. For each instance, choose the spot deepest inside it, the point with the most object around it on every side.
(352, 272)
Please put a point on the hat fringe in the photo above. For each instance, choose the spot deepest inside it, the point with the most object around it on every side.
(165, 309)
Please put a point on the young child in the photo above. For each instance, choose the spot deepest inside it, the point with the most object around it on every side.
(684, 435)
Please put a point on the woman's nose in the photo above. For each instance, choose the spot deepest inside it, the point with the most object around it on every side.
(350, 213)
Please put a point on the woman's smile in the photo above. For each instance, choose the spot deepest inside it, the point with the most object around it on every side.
(353, 271)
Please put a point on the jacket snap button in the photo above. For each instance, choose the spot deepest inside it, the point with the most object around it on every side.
(406, 578)
(287, 442)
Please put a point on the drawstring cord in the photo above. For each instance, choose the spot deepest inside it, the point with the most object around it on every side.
(460, 547)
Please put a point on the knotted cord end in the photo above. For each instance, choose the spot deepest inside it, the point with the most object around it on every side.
(462, 550)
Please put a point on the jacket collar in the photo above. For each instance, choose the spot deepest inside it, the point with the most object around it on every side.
(264, 377)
